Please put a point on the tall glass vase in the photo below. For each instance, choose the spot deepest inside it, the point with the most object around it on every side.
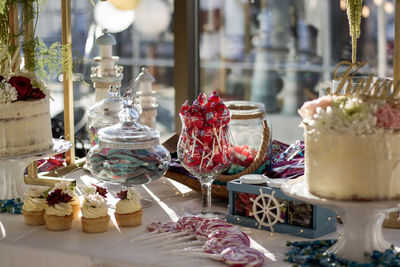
(205, 149)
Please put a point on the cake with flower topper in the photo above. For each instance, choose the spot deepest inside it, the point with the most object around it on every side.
(128, 210)
(25, 120)
(95, 218)
(352, 138)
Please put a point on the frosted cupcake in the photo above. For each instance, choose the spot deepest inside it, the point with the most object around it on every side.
(69, 188)
(95, 216)
(35, 205)
(58, 215)
(128, 211)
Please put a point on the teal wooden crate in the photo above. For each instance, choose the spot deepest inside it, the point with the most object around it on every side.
(299, 218)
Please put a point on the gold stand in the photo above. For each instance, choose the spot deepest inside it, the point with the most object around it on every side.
(52, 177)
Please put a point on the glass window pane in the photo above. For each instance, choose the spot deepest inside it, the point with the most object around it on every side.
(144, 38)
(282, 52)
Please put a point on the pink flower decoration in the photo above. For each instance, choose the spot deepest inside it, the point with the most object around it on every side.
(309, 108)
(388, 117)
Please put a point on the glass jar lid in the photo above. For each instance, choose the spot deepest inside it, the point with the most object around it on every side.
(245, 109)
(108, 107)
(128, 133)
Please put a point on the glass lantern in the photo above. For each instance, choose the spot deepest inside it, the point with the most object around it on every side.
(251, 132)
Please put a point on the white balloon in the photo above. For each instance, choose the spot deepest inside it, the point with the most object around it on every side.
(152, 17)
(115, 20)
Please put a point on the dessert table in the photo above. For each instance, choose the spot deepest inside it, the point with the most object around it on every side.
(22, 245)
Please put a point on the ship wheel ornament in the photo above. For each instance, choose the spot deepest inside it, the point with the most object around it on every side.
(267, 210)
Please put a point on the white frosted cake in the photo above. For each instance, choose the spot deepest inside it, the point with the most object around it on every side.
(25, 123)
(352, 148)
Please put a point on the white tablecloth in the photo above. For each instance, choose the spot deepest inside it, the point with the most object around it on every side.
(23, 245)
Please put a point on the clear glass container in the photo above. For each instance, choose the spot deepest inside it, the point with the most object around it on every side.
(104, 113)
(250, 128)
(128, 153)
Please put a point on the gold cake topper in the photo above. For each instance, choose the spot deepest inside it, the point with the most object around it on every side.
(367, 86)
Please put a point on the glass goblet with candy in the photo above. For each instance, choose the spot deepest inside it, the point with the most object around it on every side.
(205, 146)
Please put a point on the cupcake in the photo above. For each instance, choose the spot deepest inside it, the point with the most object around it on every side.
(95, 216)
(35, 205)
(128, 211)
(58, 215)
(69, 188)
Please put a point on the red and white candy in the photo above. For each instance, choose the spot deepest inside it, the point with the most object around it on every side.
(161, 227)
(231, 233)
(224, 242)
(243, 256)
(217, 245)
(209, 225)
(205, 133)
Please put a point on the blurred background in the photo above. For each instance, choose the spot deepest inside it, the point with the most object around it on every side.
(278, 52)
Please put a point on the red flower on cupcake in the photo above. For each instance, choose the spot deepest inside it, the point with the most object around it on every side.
(57, 196)
(101, 190)
(123, 194)
(25, 89)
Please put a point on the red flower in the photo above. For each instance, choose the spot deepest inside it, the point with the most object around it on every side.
(101, 190)
(37, 94)
(123, 194)
(23, 86)
(57, 196)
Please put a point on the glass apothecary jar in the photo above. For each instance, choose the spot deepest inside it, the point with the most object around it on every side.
(128, 153)
(104, 113)
(251, 133)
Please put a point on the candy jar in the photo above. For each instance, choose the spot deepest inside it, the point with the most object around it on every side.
(205, 146)
(251, 131)
(104, 113)
(128, 153)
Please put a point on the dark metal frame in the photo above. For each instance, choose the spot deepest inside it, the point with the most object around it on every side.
(186, 54)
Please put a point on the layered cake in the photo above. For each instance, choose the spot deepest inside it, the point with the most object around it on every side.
(25, 120)
(352, 147)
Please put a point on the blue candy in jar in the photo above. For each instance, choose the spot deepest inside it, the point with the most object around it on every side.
(128, 152)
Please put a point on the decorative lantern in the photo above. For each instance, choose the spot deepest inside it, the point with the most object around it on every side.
(146, 98)
(107, 73)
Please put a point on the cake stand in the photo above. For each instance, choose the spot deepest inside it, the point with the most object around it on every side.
(362, 221)
(12, 169)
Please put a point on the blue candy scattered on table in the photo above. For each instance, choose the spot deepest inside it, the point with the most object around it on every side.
(313, 253)
(13, 206)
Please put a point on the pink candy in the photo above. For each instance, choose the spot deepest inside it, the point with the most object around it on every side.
(217, 245)
(189, 224)
(230, 233)
(162, 227)
(241, 256)
(209, 225)
(223, 239)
